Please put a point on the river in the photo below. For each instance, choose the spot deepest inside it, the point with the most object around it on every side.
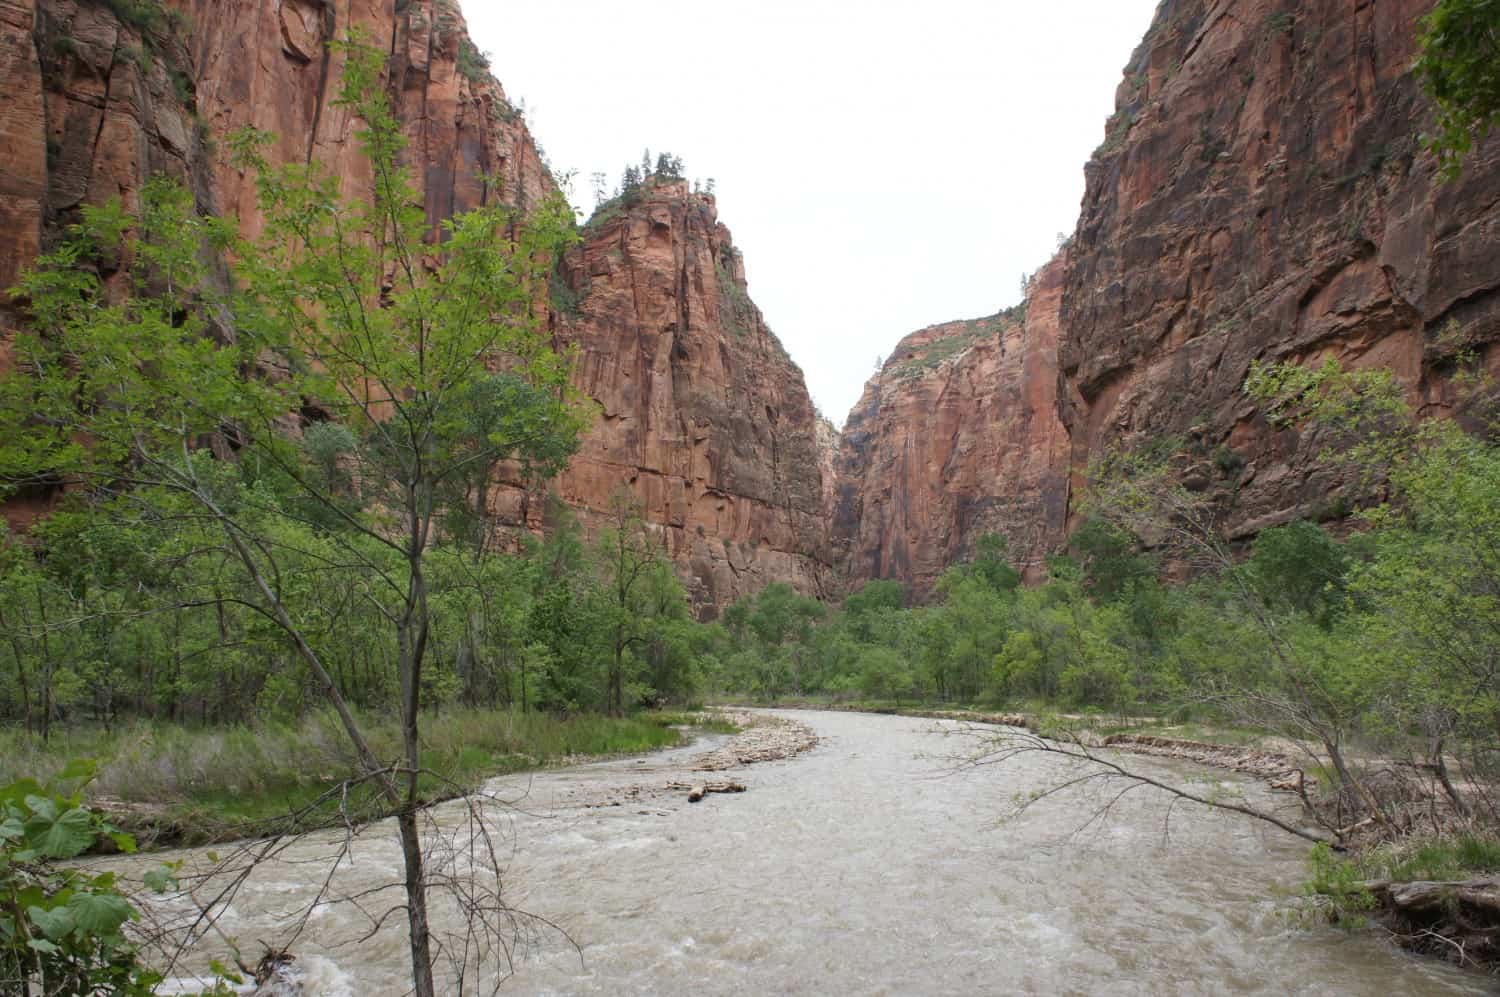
(869, 865)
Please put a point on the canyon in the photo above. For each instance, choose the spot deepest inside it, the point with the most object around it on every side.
(1261, 193)
(699, 415)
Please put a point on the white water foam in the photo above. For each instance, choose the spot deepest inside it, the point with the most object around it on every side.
(313, 976)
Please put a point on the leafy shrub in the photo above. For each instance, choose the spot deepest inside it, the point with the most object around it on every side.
(473, 65)
(1339, 885)
(142, 15)
(62, 930)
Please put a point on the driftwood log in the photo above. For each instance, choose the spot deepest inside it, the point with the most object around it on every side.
(1460, 920)
(697, 791)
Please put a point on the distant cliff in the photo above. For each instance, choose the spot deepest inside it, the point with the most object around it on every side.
(1261, 194)
(958, 435)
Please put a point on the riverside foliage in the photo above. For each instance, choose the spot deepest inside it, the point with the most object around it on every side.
(276, 456)
(1375, 650)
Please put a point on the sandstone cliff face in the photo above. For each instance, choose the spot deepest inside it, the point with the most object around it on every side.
(1262, 194)
(957, 436)
(703, 418)
(701, 413)
(158, 92)
(101, 96)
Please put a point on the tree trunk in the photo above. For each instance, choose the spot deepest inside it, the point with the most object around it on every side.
(1440, 766)
(616, 692)
(47, 666)
(412, 633)
(15, 647)
(416, 906)
(1336, 756)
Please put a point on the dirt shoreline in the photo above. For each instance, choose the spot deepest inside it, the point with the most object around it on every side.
(761, 738)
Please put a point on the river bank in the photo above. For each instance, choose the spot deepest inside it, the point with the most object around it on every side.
(172, 786)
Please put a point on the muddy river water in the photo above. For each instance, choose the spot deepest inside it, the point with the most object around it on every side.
(869, 865)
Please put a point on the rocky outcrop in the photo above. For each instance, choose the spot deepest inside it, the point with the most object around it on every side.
(102, 95)
(23, 136)
(1261, 194)
(132, 90)
(958, 436)
(702, 416)
(701, 413)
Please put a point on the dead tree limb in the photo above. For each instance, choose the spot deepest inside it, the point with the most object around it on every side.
(1005, 746)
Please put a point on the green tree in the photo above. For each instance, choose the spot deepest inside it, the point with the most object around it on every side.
(884, 674)
(869, 610)
(1301, 567)
(355, 311)
(629, 562)
(1111, 563)
(990, 566)
(1460, 68)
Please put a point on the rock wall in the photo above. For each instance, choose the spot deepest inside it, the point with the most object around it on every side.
(958, 435)
(158, 92)
(701, 412)
(702, 416)
(1261, 194)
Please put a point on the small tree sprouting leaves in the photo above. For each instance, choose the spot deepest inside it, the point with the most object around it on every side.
(1460, 68)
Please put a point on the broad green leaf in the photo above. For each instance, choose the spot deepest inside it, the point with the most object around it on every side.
(16, 793)
(79, 769)
(42, 806)
(161, 880)
(99, 913)
(60, 835)
(56, 924)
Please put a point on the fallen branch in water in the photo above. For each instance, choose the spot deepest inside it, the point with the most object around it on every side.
(1005, 746)
(1458, 919)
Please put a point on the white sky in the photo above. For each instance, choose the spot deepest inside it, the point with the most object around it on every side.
(883, 166)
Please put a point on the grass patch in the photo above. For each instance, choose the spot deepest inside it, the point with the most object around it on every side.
(708, 722)
(195, 785)
(1458, 857)
(1234, 737)
(1336, 889)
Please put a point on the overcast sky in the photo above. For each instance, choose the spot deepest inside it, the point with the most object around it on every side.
(883, 166)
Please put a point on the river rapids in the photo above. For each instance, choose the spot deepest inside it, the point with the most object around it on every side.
(875, 863)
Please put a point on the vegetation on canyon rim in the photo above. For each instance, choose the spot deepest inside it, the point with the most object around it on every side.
(335, 605)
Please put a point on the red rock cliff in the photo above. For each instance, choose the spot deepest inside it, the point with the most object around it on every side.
(703, 416)
(958, 435)
(701, 411)
(1260, 194)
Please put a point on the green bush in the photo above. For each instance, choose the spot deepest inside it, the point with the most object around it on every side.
(142, 15)
(62, 928)
(1339, 885)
